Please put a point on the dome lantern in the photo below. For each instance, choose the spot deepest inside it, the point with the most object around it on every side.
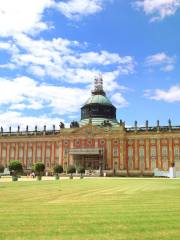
(98, 107)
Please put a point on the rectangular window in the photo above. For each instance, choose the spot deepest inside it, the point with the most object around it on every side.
(12, 153)
(4, 153)
(20, 153)
(176, 153)
(29, 153)
(165, 157)
(57, 153)
(38, 154)
(48, 153)
(141, 152)
(153, 153)
(115, 152)
(164, 151)
(141, 157)
(130, 158)
(29, 157)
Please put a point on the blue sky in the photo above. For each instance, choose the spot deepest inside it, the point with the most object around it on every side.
(50, 52)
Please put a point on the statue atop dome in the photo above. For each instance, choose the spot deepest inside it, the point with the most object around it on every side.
(98, 86)
(98, 83)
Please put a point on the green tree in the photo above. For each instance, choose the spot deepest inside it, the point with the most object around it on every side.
(71, 169)
(81, 170)
(1, 169)
(39, 168)
(58, 169)
(15, 167)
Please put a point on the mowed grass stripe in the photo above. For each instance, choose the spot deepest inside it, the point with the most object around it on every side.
(90, 209)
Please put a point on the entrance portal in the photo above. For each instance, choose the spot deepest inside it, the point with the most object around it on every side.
(89, 162)
(89, 158)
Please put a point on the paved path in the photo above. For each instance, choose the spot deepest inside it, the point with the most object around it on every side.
(26, 179)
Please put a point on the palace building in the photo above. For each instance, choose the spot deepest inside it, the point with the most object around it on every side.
(99, 142)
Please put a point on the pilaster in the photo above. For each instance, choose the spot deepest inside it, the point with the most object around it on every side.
(147, 153)
(159, 152)
(135, 165)
(170, 152)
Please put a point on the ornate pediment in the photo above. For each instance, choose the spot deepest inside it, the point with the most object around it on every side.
(87, 130)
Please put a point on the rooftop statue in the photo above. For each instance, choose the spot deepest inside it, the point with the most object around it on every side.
(74, 124)
(61, 125)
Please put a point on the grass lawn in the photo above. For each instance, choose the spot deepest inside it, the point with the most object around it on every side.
(90, 209)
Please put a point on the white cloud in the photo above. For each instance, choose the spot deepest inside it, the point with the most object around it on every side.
(27, 16)
(25, 93)
(37, 70)
(119, 100)
(162, 60)
(67, 60)
(159, 58)
(168, 68)
(58, 59)
(158, 9)
(171, 95)
(4, 45)
(20, 16)
(75, 9)
(14, 119)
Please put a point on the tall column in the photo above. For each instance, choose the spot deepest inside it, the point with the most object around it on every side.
(52, 155)
(43, 152)
(136, 154)
(71, 162)
(7, 153)
(34, 149)
(109, 154)
(147, 154)
(25, 153)
(170, 152)
(122, 155)
(104, 154)
(61, 152)
(126, 156)
(17, 151)
(119, 154)
(1, 160)
(159, 152)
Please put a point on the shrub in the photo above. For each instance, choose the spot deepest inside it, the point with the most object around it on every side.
(14, 178)
(71, 169)
(81, 170)
(15, 167)
(39, 168)
(1, 168)
(58, 169)
(39, 177)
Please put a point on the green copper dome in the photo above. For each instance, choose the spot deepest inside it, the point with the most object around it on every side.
(98, 109)
(99, 99)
